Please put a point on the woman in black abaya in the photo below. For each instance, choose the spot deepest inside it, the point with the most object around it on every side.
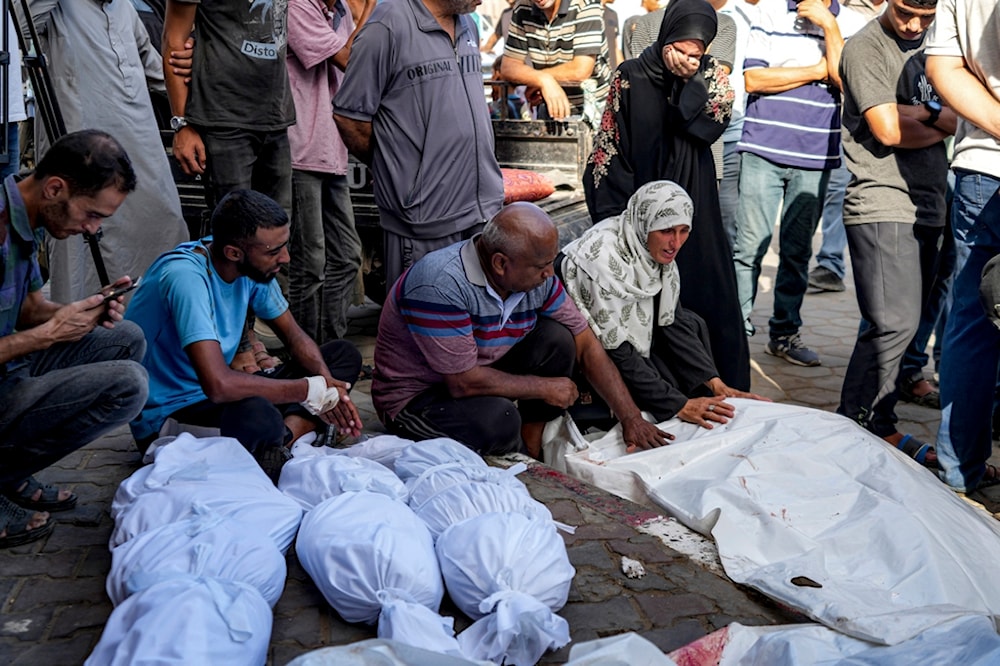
(665, 109)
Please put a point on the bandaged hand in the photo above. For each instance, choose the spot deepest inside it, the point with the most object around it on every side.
(320, 398)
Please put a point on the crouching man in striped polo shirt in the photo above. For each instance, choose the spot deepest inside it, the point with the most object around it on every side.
(472, 328)
(790, 143)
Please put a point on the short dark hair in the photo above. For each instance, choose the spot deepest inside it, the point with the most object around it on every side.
(89, 161)
(922, 4)
(241, 212)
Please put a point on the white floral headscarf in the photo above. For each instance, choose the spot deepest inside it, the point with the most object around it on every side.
(613, 279)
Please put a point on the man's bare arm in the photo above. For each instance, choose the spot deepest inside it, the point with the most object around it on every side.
(899, 126)
(771, 80)
(483, 380)
(189, 149)
(341, 57)
(603, 375)
(42, 323)
(964, 92)
(306, 353)
(357, 136)
(223, 384)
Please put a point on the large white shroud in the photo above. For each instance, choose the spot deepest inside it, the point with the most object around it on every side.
(817, 513)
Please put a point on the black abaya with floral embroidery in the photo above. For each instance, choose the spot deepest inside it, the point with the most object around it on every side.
(658, 126)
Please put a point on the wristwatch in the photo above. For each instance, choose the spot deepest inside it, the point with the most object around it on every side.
(934, 108)
(177, 122)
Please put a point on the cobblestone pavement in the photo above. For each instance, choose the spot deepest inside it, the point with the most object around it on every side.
(54, 604)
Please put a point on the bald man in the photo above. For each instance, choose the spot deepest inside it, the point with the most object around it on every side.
(472, 328)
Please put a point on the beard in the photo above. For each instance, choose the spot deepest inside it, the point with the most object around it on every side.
(461, 6)
(53, 218)
(258, 276)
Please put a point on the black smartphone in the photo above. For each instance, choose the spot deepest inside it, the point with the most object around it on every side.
(115, 293)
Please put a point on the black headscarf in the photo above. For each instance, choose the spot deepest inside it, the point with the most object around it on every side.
(683, 19)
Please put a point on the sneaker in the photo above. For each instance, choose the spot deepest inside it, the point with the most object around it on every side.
(271, 459)
(825, 280)
(790, 348)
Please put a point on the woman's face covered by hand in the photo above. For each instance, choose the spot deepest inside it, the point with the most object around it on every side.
(683, 58)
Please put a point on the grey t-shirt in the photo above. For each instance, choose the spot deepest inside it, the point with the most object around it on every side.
(888, 184)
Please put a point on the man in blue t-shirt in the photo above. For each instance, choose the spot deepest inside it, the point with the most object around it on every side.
(192, 306)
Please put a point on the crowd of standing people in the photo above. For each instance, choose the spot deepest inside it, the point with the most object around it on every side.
(706, 137)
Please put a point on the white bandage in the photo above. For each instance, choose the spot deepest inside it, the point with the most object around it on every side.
(320, 398)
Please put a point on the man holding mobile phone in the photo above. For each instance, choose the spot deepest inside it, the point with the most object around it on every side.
(68, 373)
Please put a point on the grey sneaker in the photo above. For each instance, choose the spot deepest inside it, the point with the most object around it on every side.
(790, 348)
(825, 280)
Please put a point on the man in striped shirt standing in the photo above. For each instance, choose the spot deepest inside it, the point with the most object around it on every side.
(790, 143)
(550, 41)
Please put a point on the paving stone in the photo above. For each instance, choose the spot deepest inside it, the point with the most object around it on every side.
(648, 583)
(47, 593)
(564, 511)
(73, 536)
(35, 564)
(304, 627)
(592, 587)
(96, 562)
(68, 651)
(645, 549)
(669, 639)
(29, 626)
(607, 618)
(72, 618)
(592, 554)
(663, 609)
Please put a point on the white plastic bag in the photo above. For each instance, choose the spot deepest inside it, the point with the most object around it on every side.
(259, 507)
(415, 459)
(187, 621)
(510, 573)
(971, 640)
(311, 480)
(628, 649)
(384, 449)
(218, 460)
(462, 501)
(818, 513)
(379, 652)
(355, 545)
(435, 479)
(205, 545)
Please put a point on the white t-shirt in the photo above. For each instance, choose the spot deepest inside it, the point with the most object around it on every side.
(971, 23)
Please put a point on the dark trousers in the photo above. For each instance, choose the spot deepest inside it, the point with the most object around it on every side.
(59, 399)
(885, 258)
(491, 425)
(249, 160)
(256, 422)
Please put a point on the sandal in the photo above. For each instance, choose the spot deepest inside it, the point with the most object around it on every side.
(14, 521)
(931, 400)
(990, 478)
(47, 501)
(918, 450)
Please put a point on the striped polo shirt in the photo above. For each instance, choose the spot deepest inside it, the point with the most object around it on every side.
(576, 30)
(443, 318)
(800, 127)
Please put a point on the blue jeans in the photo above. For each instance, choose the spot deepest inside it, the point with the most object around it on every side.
(729, 189)
(765, 190)
(240, 159)
(971, 347)
(831, 251)
(325, 254)
(59, 399)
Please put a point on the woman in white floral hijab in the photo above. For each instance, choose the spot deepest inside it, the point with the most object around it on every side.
(621, 274)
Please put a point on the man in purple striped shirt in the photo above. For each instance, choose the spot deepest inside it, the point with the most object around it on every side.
(790, 143)
(473, 327)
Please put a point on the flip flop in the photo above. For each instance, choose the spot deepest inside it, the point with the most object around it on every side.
(48, 501)
(990, 478)
(917, 450)
(14, 520)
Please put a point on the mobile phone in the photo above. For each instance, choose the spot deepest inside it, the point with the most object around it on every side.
(115, 293)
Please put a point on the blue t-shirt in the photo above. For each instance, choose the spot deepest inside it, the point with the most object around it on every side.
(183, 300)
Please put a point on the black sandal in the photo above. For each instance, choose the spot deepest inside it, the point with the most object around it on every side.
(918, 450)
(47, 501)
(14, 521)
(991, 477)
